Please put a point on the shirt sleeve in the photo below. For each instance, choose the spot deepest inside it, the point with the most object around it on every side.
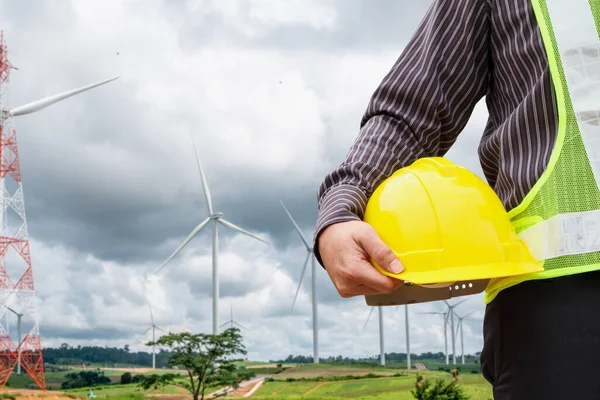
(418, 110)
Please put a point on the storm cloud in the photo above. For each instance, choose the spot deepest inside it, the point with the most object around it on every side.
(271, 92)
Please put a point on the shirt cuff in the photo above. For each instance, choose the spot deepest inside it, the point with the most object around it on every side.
(341, 203)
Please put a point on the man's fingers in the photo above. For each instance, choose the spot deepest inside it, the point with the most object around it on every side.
(346, 250)
(367, 275)
(379, 251)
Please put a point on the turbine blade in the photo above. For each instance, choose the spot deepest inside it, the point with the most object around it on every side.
(162, 330)
(460, 302)
(368, 317)
(457, 328)
(465, 316)
(143, 334)
(207, 195)
(48, 101)
(237, 228)
(296, 226)
(151, 315)
(308, 254)
(397, 307)
(240, 325)
(185, 242)
(226, 323)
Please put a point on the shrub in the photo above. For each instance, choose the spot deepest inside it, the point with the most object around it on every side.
(441, 391)
(126, 378)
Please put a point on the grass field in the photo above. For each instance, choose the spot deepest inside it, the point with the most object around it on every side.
(302, 381)
(325, 371)
(397, 388)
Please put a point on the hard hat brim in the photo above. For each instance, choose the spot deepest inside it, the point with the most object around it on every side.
(465, 273)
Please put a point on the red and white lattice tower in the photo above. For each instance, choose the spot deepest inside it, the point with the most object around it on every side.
(13, 237)
(18, 298)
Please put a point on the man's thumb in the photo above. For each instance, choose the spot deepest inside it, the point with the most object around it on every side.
(381, 253)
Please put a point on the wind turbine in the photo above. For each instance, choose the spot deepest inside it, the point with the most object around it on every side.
(445, 314)
(406, 325)
(309, 253)
(19, 316)
(462, 342)
(231, 321)
(217, 218)
(451, 312)
(154, 327)
(381, 341)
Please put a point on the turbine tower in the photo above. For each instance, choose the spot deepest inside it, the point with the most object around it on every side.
(313, 273)
(154, 327)
(462, 342)
(381, 341)
(13, 233)
(216, 218)
(19, 332)
(407, 328)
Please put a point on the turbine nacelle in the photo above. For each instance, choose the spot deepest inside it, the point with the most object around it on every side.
(216, 215)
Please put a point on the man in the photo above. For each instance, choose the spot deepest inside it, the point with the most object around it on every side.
(536, 62)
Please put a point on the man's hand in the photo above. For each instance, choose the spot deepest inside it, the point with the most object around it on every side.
(346, 249)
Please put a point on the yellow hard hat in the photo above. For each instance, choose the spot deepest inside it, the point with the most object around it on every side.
(445, 225)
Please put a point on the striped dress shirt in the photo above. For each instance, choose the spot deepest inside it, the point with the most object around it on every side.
(462, 51)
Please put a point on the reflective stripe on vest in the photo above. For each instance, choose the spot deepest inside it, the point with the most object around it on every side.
(560, 218)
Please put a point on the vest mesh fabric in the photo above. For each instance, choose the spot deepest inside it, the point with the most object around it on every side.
(568, 184)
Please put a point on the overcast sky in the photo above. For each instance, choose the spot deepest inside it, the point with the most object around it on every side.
(272, 92)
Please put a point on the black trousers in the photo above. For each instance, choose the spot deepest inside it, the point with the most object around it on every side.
(542, 340)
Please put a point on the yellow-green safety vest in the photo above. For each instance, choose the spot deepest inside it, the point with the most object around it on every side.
(559, 219)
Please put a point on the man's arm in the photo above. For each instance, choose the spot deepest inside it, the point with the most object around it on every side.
(418, 110)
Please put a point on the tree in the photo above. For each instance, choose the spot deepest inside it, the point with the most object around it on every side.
(126, 378)
(84, 379)
(441, 391)
(205, 358)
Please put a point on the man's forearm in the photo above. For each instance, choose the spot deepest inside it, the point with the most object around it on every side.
(344, 193)
(418, 109)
